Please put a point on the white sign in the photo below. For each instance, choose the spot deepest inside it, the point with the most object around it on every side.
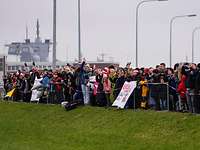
(35, 93)
(124, 94)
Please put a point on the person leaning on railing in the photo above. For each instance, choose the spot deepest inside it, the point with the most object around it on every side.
(172, 79)
(190, 70)
(182, 92)
(144, 92)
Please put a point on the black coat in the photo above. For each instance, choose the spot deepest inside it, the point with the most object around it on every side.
(118, 85)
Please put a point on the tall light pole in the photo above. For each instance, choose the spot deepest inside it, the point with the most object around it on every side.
(171, 24)
(54, 34)
(137, 16)
(79, 31)
(193, 35)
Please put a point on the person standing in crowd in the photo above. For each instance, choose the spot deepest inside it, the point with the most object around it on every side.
(33, 74)
(46, 85)
(134, 99)
(119, 82)
(19, 86)
(197, 90)
(172, 79)
(78, 95)
(26, 83)
(155, 88)
(68, 80)
(107, 87)
(190, 72)
(182, 92)
(84, 80)
(162, 67)
(112, 78)
(56, 88)
(144, 92)
(100, 94)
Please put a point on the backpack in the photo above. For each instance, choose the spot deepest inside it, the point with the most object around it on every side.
(70, 106)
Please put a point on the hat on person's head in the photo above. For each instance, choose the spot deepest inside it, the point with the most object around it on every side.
(136, 71)
(106, 70)
(87, 65)
(128, 64)
(111, 67)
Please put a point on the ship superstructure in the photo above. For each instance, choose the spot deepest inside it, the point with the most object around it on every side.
(28, 51)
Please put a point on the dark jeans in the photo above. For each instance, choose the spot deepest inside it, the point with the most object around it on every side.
(108, 99)
(56, 97)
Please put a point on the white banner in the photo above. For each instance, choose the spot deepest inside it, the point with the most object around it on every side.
(124, 94)
(35, 93)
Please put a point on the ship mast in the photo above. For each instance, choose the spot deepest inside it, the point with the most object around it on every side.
(38, 31)
(26, 32)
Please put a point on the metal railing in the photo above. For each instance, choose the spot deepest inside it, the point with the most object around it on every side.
(158, 94)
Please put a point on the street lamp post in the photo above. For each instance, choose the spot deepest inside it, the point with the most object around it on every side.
(193, 35)
(54, 34)
(79, 31)
(137, 16)
(171, 23)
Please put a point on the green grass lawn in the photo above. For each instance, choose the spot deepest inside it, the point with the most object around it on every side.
(50, 127)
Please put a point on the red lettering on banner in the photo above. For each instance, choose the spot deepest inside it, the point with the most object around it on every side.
(126, 87)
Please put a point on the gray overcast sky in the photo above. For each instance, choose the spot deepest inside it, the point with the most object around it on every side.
(108, 26)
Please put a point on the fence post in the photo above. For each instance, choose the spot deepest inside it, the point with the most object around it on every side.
(134, 100)
(168, 96)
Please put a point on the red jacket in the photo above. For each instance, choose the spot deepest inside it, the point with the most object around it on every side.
(107, 86)
(58, 85)
(181, 87)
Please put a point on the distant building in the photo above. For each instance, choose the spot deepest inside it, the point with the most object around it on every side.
(28, 51)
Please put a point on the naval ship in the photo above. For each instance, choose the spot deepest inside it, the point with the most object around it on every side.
(36, 53)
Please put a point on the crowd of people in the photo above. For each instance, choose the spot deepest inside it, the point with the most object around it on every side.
(159, 88)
